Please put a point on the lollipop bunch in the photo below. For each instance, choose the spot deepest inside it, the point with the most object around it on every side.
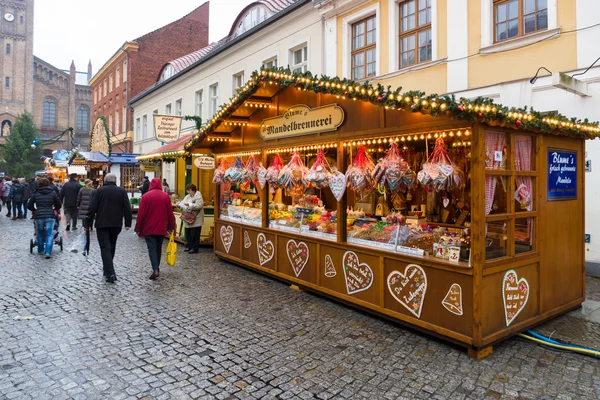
(439, 172)
(393, 171)
(359, 175)
(294, 173)
(235, 173)
(272, 175)
(219, 176)
(319, 173)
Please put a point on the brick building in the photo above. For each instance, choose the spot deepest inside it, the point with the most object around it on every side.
(137, 65)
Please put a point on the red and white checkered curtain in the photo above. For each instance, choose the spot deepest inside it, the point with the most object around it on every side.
(523, 146)
(494, 141)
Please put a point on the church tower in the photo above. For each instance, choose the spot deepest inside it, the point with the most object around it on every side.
(16, 60)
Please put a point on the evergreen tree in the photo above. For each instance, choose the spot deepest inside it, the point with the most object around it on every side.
(20, 159)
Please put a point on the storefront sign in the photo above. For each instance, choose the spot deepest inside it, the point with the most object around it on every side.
(302, 120)
(149, 167)
(167, 128)
(562, 174)
(205, 162)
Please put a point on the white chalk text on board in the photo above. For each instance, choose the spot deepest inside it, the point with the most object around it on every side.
(167, 128)
(302, 120)
(205, 162)
(562, 174)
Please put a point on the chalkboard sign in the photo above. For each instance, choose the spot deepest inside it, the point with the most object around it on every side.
(562, 175)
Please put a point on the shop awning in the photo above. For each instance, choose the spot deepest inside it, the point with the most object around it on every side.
(168, 152)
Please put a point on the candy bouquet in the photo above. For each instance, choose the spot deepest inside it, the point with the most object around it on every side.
(439, 172)
(261, 175)
(293, 175)
(219, 176)
(393, 171)
(359, 175)
(272, 175)
(235, 173)
(319, 173)
(251, 170)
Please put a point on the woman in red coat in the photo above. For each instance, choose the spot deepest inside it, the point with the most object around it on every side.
(155, 220)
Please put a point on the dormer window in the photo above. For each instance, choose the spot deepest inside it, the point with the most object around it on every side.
(254, 17)
(167, 73)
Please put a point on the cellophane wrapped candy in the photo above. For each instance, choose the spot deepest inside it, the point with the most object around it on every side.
(272, 175)
(251, 170)
(293, 175)
(319, 173)
(235, 173)
(219, 176)
(439, 173)
(359, 175)
(261, 175)
(396, 171)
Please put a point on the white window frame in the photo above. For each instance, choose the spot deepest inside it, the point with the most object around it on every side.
(110, 83)
(168, 109)
(271, 59)
(110, 123)
(118, 77)
(138, 128)
(347, 39)
(199, 105)
(394, 35)
(213, 102)
(179, 106)
(145, 126)
(234, 81)
(124, 71)
(298, 46)
(117, 122)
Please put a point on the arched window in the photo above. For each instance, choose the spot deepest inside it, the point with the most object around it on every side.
(167, 73)
(7, 83)
(255, 16)
(49, 113)
(83, 118)
(8, 49)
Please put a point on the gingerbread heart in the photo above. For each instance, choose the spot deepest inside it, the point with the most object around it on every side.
(445, 202)
(453, 300)
(247, 241)
(227, 237)
(330, 271)
(265, 247)
(298, 255)
(515, 293)
(337, 184)
(409, 288)
(359, 277)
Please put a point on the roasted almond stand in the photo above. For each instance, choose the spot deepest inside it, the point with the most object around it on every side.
(472, 258)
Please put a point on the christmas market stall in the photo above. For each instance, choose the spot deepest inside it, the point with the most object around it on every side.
(462, 218)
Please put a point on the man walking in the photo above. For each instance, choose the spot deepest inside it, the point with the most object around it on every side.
(154, 220)
(110, 205)
(144, 187)
(68, 196)
(7, 194)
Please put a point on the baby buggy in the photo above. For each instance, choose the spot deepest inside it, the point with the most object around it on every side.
(57, 238)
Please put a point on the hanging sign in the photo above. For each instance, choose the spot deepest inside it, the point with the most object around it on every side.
(205, 162)
(167, 128)
(302, 120)
(562, 174)
(149, 167)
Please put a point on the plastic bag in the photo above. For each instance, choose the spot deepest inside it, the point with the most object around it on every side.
(219, 176)
(272, 175)
(78, 245)
(359, 175)
(319, 173)
(235, 173)
(439, 172)
(171, 250)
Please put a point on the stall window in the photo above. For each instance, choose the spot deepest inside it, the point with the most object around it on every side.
(241, 198)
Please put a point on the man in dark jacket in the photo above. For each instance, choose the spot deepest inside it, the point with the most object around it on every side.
(145, 186)
(45, 206)
(26, 195)
(68, 196)
(154, 220)
(17, 199)
(7, 195)
(110, 205)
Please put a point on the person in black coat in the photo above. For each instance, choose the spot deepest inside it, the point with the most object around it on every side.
(17, 199)
(68, 196)
(110, 205)
(26, 195)
(45, 206)
(145, 186)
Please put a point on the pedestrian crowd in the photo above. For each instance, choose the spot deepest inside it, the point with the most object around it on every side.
(107, 209)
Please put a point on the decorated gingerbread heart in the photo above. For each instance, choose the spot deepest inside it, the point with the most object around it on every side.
(265, 247)
(515, 293)
(330, 271)
(337, 184)
(409, 288)
(227, 237)
(359, 277)
(298, 255)
(453, 300)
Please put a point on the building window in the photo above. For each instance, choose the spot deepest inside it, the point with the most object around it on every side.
(125, 71)
(214, 98)
(110, 83)
(363, 48)
(178, 107)
(155, 112)
(83, 118)
(167, 72)
(299, 58)
(254, 17)
(145, 126)
(168, 109)
(199, 103)
(95, 96)
(8, 49)
(137, 128)
(238, 81)
(50, 76)
(21, 20)
(7, 83)
(110, 123)
(117, 122)
(125, 128)
(513, 18)
(118, 81)
(49, 113)
(105, 86)
(270, 63)
(415, 32)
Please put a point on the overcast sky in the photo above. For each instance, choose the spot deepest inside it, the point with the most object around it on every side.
(81, 30)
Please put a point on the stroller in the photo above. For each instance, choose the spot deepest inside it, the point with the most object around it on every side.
(58, 240)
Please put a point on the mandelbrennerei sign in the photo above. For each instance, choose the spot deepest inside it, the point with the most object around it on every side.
(167, 128)
(302, 120)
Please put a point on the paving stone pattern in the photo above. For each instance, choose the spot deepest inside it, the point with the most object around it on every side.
(211, 330)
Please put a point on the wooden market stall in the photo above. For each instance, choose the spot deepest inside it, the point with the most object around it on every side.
(461, 218)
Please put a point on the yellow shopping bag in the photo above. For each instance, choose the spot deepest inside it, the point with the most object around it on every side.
(171, 250)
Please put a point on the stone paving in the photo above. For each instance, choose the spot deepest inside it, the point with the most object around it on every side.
(211, 330)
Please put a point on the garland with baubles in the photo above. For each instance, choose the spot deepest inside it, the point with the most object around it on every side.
(477, 110)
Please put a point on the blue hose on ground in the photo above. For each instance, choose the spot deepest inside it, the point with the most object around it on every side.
(550, 340)
(536, 337)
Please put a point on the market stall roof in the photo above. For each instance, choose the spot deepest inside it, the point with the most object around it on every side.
(168, 151)
(123, 158)
(94, 156)
(265, 84)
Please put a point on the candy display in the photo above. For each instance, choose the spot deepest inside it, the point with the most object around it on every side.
(294, 174)
(219, 176)
(393, 171)
(359, 175)
(319, 173)
(235, 173)
(439, 172)
(251, 170)
(272, 175)
(261, 176)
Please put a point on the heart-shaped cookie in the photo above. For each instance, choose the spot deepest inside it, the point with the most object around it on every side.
(409, 288)
(247, 241)
(515, 293)
(337, 184)
(445, 202)
(227, 237)
(330, 271)
(453, 300)
(359, 277)
(265, 247)
(298, 255)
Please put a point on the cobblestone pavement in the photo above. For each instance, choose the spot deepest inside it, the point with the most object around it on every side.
(209, 329)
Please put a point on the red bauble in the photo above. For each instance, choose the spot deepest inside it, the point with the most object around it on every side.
(461, 108)
(262, 79)
(559, 127)
(276, 78)
(586, 130)
(346, 94)
(380, 99)
(518, 123)
(480, 115)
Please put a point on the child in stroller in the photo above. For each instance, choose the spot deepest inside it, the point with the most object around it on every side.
(57, 238)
